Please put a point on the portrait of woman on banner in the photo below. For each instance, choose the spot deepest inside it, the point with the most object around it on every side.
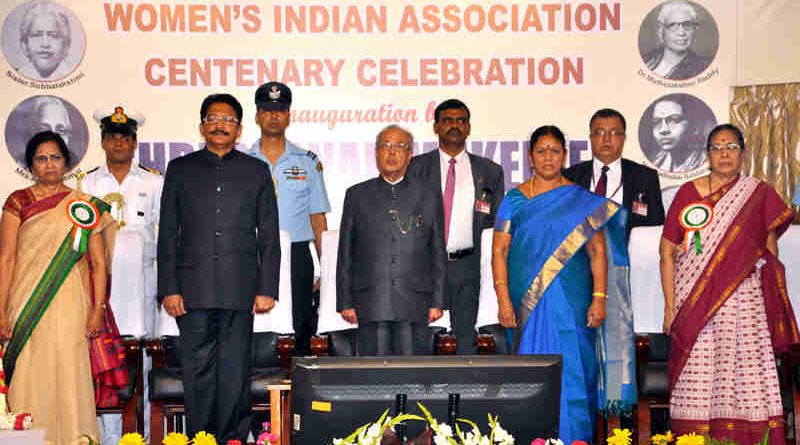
(679, 41)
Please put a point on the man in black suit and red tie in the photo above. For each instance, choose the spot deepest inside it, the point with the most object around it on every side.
(625, 182)
(471, 189)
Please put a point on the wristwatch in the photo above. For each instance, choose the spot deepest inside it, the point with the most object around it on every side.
(103, 305)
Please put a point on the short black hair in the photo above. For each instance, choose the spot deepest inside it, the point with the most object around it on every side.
(545, 130)
(44, 137)
(224, 98)
(450, 104)
(605, 113)
(722, 127)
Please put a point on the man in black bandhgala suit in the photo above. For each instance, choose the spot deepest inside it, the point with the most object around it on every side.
(218, 263)
(390, 272)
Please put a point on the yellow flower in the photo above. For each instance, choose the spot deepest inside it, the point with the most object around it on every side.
(204, 438)
(620, 437)
(132, 439)
(690, 439)
(175, 439)
(662, 439)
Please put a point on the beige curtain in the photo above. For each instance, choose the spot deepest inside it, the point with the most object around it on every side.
(769, 116)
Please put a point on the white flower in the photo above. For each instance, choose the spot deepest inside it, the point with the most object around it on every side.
(445, 430)
(554, 442)
(338, 441)
(374, 430)
(501, 436)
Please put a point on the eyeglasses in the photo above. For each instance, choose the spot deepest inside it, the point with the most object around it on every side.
(670, 121)
(602, 132)
(42, 159)
(688, 25)
(719, 148)
(214, 119)
(386, 145)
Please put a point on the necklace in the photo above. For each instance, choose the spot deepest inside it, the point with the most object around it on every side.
(533, 179)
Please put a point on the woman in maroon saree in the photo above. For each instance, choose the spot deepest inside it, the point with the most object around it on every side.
(726, 307)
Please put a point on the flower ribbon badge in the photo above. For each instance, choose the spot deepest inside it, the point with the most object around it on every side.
(693, 218)
(85, 216)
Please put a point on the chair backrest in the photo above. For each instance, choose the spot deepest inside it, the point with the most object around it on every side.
(646, 293)
(487, 303)
(647, 298)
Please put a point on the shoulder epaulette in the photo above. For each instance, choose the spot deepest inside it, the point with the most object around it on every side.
(311, 155)
(151, 170)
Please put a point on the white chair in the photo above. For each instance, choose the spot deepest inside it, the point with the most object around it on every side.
(487, 324)
(278, 320)
(341, 334)
(648, 299)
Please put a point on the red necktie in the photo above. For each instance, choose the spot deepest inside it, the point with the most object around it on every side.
(449, 190)
(600, 188)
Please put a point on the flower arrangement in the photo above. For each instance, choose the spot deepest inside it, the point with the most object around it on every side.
(624, 437)
(381, 431)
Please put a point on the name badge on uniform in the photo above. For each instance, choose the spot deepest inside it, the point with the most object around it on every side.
(639, 206)
(482, 204)
(295, 173)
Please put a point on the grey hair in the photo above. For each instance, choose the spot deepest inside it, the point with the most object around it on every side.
(666, 10)
(42, 8)
(395, 127)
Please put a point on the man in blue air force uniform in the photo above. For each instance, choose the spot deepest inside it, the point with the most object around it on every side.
(302, 201)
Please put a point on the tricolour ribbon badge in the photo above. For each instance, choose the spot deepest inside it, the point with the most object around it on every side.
(693, 218)
(85, 216)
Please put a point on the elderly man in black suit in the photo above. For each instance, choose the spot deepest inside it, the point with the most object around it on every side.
(625, 182)
(390, 272)
(471, 190)
(218, 262)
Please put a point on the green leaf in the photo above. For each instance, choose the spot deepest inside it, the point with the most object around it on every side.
(428, 417)
(90, 440)
(468, 422)
(403, 418)
(350, 438)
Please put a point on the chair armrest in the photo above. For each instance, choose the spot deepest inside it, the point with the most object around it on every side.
(485, 343)
(154, 347)
(642, 354)
(285, 349)
(320, 345)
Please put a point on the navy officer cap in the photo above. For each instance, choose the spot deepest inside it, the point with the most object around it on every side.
(119, 120)
(273, 96)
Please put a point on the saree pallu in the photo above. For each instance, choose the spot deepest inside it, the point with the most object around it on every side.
(550, 284)
(732, 314)
(52, 373)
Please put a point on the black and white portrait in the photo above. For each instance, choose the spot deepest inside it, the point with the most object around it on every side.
(40, 113)
(673, 131)
(678, 40)
(43, 40)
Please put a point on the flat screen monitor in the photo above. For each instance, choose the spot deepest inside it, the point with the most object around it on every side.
(332, 396)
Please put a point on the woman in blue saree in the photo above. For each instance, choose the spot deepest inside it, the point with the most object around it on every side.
(553, 283)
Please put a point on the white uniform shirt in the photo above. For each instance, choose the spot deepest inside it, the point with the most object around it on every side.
(133, 279)
(460, 236)
(613, 179)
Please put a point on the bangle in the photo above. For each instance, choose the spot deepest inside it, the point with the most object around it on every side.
(601, 295)
(499, 282)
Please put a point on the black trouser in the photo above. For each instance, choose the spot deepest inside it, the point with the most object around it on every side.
(463, 289)
(379, 338)
(215, 353)
(303, 316)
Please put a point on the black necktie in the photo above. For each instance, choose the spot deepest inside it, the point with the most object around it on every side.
(600, 188)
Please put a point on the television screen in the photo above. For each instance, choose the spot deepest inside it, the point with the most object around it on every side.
(332, 396)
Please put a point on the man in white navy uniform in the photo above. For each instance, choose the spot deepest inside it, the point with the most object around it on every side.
(302, 201)
(134, 193)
